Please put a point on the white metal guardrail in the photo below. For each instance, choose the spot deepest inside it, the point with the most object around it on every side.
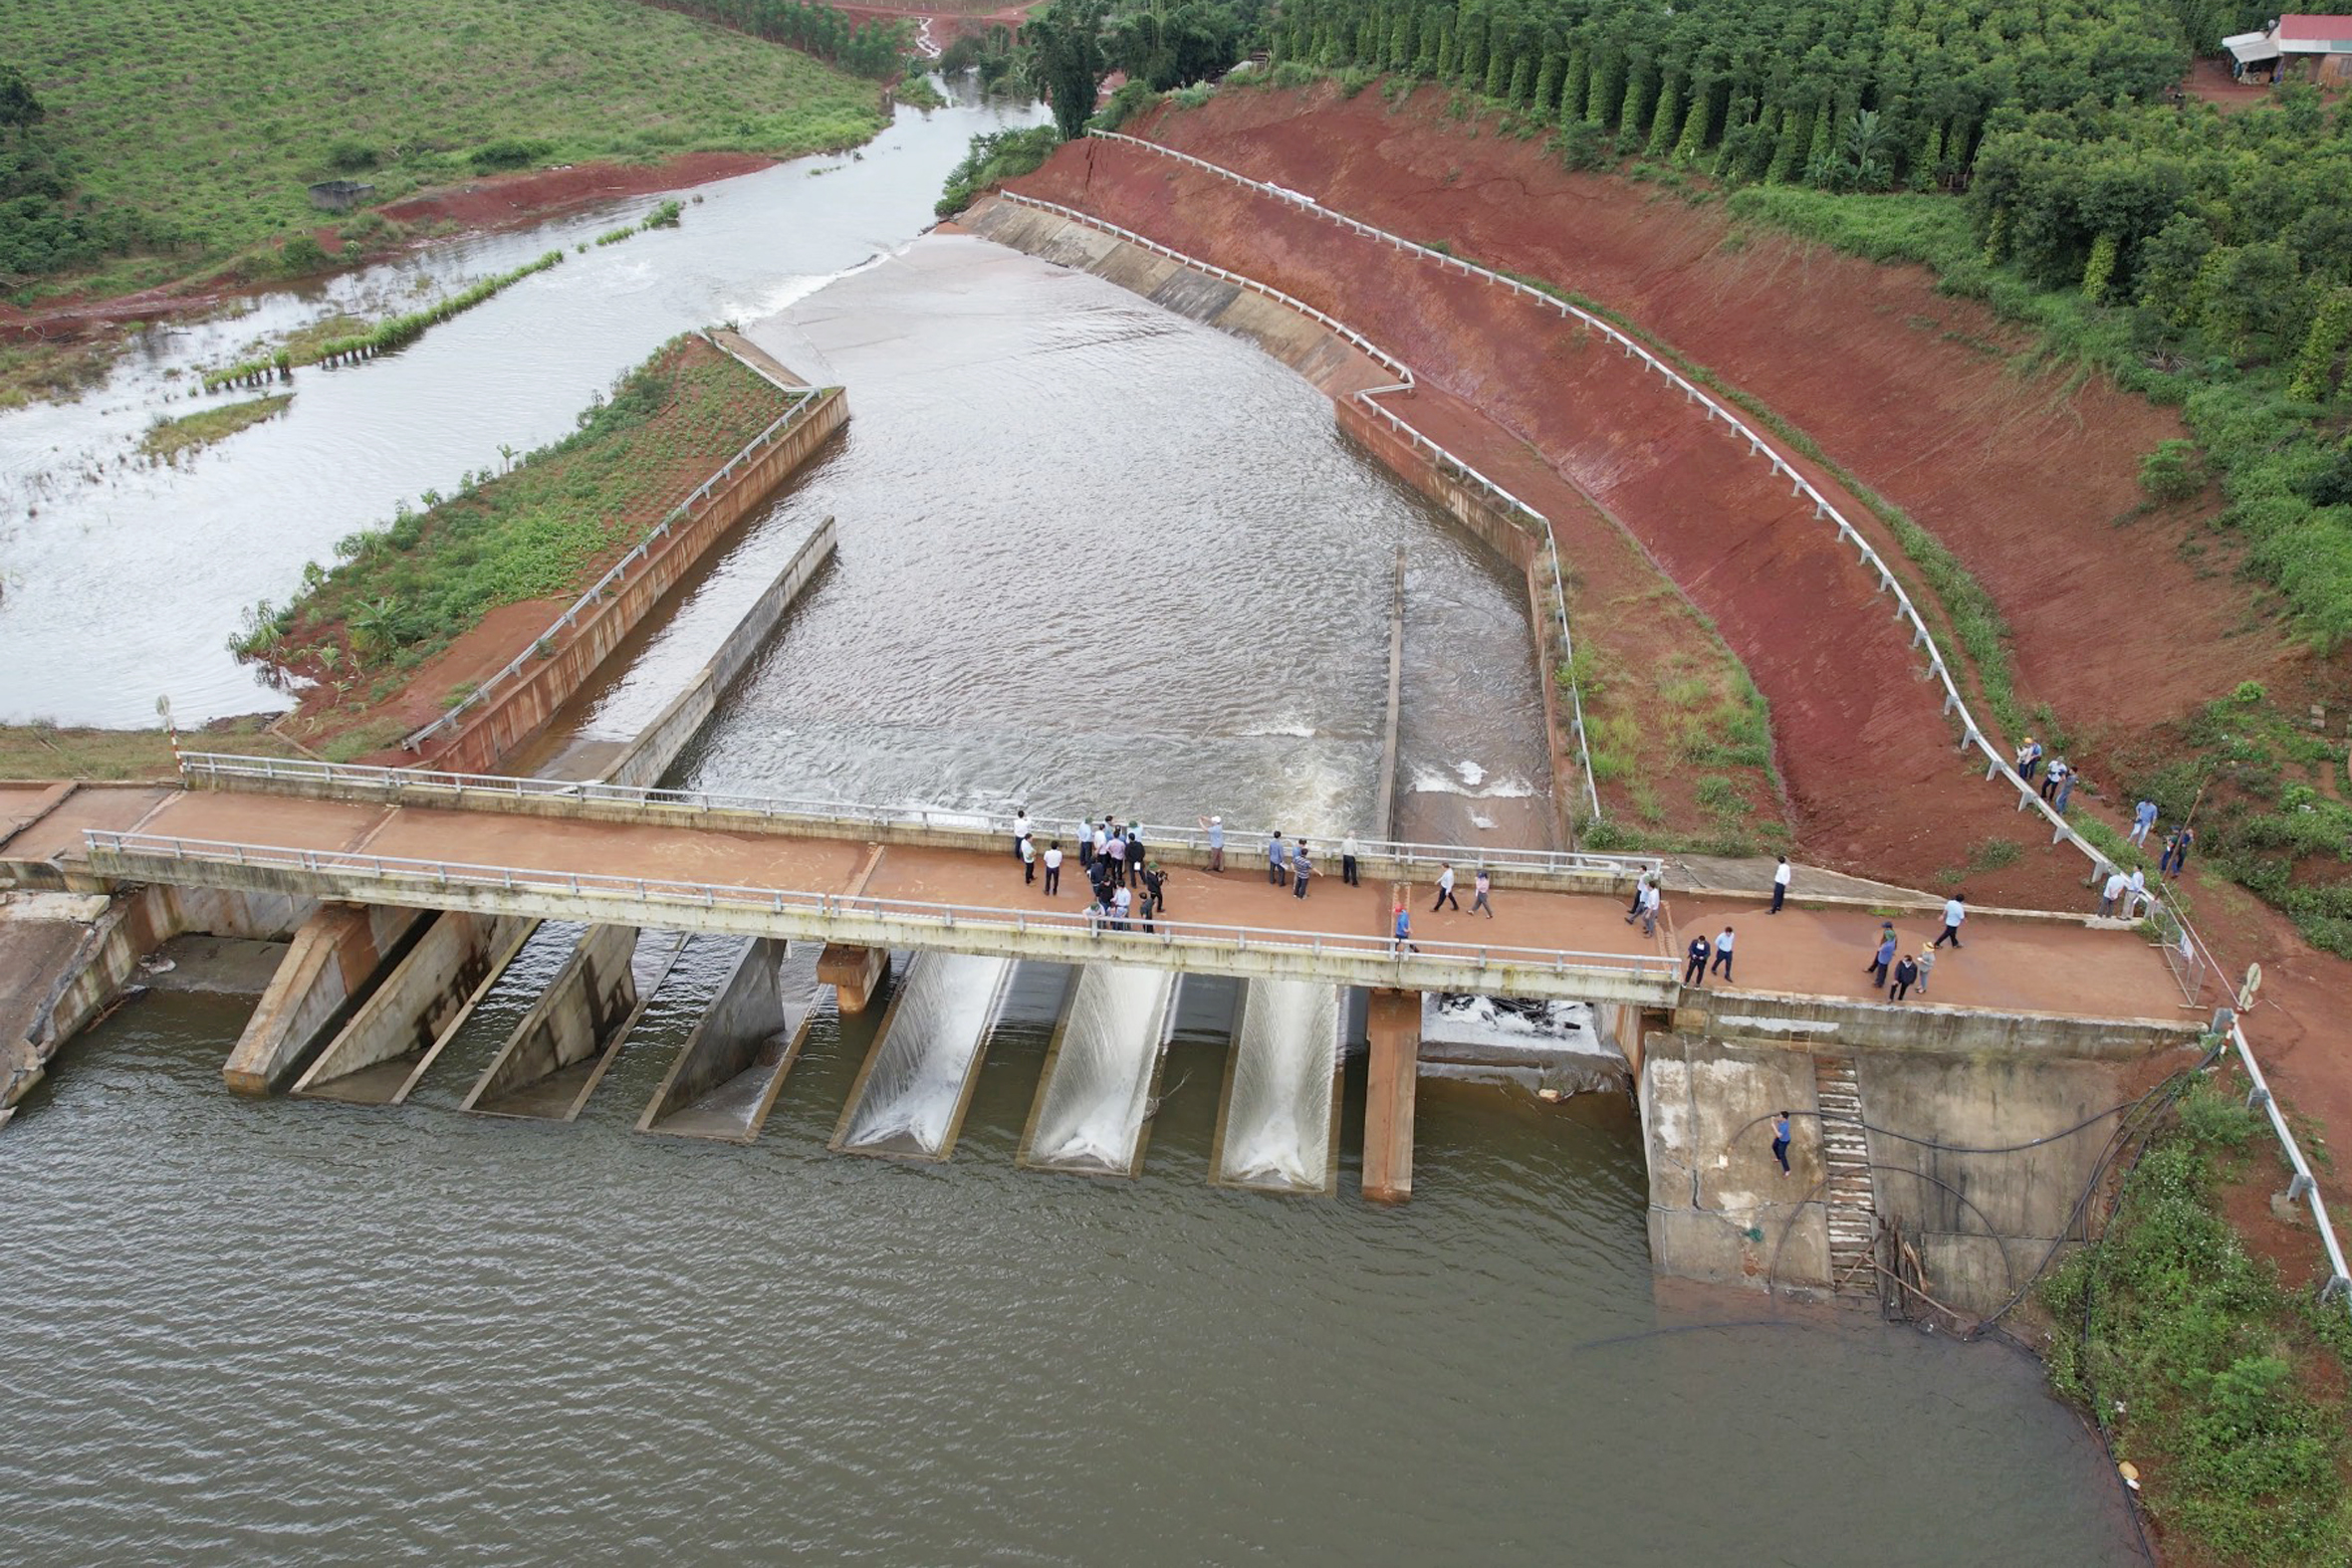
(1404, 383)
(657, 892)
(2184, 949)
(394, 784)
(802, 398)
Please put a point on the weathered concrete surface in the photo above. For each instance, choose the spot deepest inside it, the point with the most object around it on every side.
(747, 1022)
(1935, 1031)
(647, 758)
(418, 1005)
(855, 973)
(518, 712)
(592, 995)
(331, 966)
(1987, 1221)
(1721, 1209)
(1392, 1023)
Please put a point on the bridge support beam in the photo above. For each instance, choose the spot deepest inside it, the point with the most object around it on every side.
(748, 1029)
(1392, 1020)
(429, 994)
(854, 972)
(593, 995)
(333, 962)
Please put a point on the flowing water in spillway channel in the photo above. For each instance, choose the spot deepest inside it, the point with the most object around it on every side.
(1285, 1063)
(1097, 1091)
(1091, 557)
(933, 1034)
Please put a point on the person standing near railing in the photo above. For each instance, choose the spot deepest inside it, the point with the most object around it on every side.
(1216, 827)
(1301, 868)
(1278, 860)
(1347, 852)
(1134, 854)
(1020, 828)
(1053, 869)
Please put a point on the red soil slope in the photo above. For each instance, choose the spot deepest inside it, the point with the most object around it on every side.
(1860, 730)
(2023, 479)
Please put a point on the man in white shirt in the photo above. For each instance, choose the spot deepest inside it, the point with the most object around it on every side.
(1053, 869)
(2116, 883)
(1780, 885)
(1955, 910)
(1347, 848)
(1019, 827)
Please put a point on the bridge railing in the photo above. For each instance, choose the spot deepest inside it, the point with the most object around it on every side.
(2184, 949)
(655, 893)
(392, 785)
(801, 399)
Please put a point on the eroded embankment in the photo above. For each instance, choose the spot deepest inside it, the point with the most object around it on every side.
(1869, 761)
(2031, 480)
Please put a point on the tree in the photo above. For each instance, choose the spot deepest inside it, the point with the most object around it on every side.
(19, 109)
(1065, 59)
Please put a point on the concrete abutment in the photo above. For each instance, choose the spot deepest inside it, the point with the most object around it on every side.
(855, 973)
(331, 967)
(416, 1009)
(593, 996)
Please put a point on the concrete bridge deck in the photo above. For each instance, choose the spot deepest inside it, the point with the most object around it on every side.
(574, 860)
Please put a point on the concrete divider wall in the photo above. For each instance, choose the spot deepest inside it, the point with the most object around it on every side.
(519, 711)
(331, 964)
(746, 1013)
(650, 755)
(428, 991)
(589, 996)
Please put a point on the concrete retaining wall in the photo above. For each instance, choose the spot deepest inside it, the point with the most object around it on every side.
(650, 755)
(519, 711)
(1802, 1023)
(591, 995)
(746, 1013)
(1720, 1208)
(427, 994)
(332, 963)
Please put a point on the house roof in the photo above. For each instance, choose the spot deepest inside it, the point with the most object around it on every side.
(2314, 29)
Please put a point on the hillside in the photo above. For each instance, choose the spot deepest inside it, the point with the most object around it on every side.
(187, 131)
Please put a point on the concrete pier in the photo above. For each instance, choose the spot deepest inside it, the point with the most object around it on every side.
(855, 974)
(593, 996)
(393, 1037)
(1392, 1021)
(726, 1079)
(332, 965)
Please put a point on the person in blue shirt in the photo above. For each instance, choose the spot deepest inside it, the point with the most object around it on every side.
(1216, 827)
(1302, 869)
(1278, 860)
(1780, 1141)
(1404, 931)
(2143, 821)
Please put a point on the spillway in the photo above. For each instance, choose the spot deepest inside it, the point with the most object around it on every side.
(1281, 1091)
(1096, 1093)
(909, 1097)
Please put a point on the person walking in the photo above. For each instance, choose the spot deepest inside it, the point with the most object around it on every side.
(2026, 753)
(1480, 886)
(1694, 963)
(1723, 956)
(1926, 967)
(1301, 868)
(1633, 908)
(1955, 910)
(1347, 853)
(2116, 883)
(1905, 973)
(1404, 931)
(1780, 1141)
(2066, 792)
(1650, 897)
(1278, 860)
(1216, 827)
(1780, 885)
(1029, 861)
(2143, 821)
(1053, 868)
(1876, 969)
(2053, 775)
(1445, 891)
(1019, 827)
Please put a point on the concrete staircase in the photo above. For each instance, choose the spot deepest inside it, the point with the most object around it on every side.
(1847, 1190)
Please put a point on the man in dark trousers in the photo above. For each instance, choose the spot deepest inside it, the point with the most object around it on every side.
(1694, 968)
(1905, 973)
(1445, 891)
(1053, 869)
(1780, 885)
(1780, 1141)
(1722, 954)
(1876, 969)
(1955, 910)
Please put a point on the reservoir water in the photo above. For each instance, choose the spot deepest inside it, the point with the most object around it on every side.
(1091, 557)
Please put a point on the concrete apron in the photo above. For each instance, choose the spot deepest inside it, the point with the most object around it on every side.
(591, 999)
(1163, 1026)
(724, 1080)
(1233, 1064)
(381, 1054)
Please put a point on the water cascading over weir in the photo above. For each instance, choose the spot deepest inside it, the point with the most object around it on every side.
(1280, 1129)
(1096, 1097)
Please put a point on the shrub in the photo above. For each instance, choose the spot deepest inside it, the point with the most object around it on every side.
(347, 156)
(2173, 472)
(508, 152)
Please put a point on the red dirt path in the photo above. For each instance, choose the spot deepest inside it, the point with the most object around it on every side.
(2025, 479)
(1873, 777)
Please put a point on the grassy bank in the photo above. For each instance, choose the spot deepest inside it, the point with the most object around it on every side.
(168, 438)
(546, 529)
(44, 750)
(2222, 1387)
(188, 132)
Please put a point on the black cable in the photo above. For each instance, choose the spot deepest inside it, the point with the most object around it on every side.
(1929, 1143)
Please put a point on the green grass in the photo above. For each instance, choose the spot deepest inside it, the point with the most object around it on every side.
(168, 438)
(2224, 1386)
(44, 750)
(544, 530)
(208, 118)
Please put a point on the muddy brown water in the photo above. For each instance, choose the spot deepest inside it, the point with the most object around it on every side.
(309, 1330)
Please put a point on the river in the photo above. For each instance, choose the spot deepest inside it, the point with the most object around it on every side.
(1092, 556)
